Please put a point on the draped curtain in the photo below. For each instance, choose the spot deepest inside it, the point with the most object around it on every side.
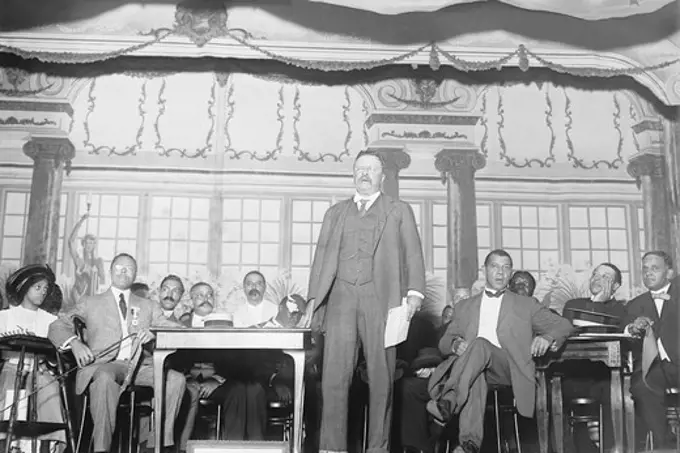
(585, 9)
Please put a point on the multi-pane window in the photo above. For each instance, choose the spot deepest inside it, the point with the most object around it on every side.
(251, 236)
(597, 235)
(307, 217)
(530, 235)
(14, 228)
(178, 237)
(439, 235)
(112, 220)
(641, 229)
(439, 239)
(484, 244)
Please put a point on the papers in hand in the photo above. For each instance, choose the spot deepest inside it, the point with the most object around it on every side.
(396, 328)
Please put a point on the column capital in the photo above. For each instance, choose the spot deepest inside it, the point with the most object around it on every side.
(394, 158)
(646, 164)
(51, 148)
(454, 161)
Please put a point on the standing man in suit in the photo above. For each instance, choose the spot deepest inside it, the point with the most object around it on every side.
(492, 339)
(653, 317)
(368, 257)
(110, 317)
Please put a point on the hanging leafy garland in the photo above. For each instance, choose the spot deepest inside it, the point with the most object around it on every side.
(435, 61)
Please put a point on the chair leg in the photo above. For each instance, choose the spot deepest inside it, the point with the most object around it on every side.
(600, 428)
(365, 439)
(218, 428)
(516, 419)
(497, 416)
(83, 416)
(131, 429)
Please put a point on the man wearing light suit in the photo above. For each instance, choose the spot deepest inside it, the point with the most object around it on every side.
(491, 340)
(368, 258)
(106, 364)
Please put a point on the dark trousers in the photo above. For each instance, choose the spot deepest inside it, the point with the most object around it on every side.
(105, 392)
(650, 403)
(413, 419)
(583, 379)
(481, 365)
(355, 318)
(245, 409)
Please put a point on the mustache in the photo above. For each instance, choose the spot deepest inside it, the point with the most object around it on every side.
(253, 293)
(169, 298)
(206, 302)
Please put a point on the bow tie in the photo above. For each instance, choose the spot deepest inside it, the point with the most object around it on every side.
(660, 295)
(493, 295)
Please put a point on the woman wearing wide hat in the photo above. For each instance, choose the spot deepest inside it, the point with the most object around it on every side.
(27, 289)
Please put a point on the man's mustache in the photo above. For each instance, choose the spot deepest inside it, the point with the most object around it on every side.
(169, 298)
(253, 293)
(206, 302)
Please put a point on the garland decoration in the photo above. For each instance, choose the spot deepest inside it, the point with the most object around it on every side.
(524, 56)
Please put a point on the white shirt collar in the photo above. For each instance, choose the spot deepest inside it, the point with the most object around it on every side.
(117, 292)
(663, 290)
(371, 198)
(168, 313)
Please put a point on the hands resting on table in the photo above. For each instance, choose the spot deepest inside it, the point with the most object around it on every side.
(539, 347)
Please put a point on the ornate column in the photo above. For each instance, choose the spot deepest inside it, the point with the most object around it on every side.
(51, 156)
(671, 150)
(649, 173)
(458, 167)
(395, 159)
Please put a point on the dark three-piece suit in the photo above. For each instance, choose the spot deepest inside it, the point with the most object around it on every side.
(649, 396)
(364, 265)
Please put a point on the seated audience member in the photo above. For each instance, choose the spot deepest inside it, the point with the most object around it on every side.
(140, 289)
(583, 378)
(652, 319)
(522, 283)
(112, 318)
(491, 340)
(169, 294)
(420, 353)
(257, 309)
(236, 379)
(447, 315)
(27, 289)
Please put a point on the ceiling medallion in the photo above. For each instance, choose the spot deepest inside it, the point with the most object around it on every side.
(201, 21)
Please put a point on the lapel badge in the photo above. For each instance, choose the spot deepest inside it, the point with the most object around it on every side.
(134, 311)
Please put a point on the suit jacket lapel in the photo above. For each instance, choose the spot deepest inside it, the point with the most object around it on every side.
(506, 307)
(384, 205)
(473, 327)
(111, 305)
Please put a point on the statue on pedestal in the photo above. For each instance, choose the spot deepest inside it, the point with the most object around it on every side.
(89, 272)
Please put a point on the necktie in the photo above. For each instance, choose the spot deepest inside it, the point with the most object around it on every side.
(494, 295)
(659, 295)
(122, 305)
(362, 207)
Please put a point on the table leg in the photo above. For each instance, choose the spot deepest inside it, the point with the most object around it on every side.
(617, 408)
(542, 416)
(629, 409)
(557, 412)
(299, 359)
(159, 357)
(15, 401)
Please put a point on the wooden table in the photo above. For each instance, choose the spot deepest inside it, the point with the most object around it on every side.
(599, 348)
(293, 342)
